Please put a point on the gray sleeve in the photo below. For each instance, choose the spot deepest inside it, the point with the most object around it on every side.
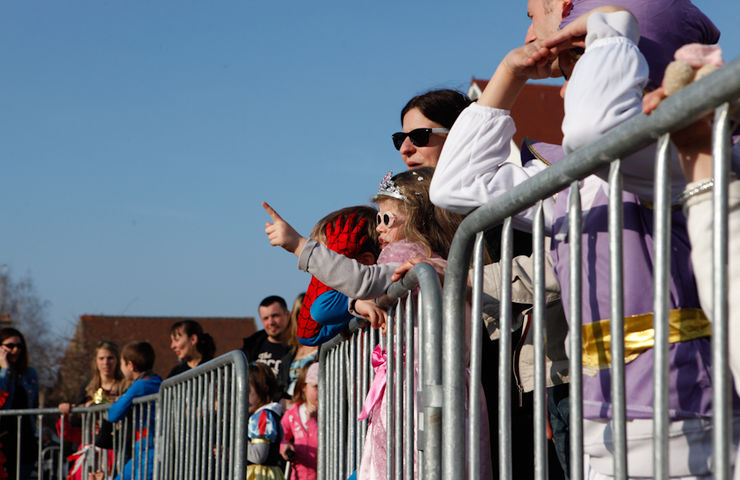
(345, 274)
(258, 452)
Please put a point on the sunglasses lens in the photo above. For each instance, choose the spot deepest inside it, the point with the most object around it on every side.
(419, 137)
(398, 139)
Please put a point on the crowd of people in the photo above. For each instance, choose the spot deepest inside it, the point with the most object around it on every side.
(458, 157)
(458, 153)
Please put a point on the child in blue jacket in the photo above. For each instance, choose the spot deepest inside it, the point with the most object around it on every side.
(137, 360)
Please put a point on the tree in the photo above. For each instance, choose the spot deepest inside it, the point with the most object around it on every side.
(27, 312)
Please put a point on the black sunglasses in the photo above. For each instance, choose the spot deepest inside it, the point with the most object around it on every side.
(418, 136)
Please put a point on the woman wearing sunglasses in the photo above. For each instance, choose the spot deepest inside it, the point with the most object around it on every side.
(18, 389)
(425, 120)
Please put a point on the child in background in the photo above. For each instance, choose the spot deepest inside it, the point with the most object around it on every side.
(409, 225)
(137, 360)
(325, 311)
(264, 430)
(300, 427)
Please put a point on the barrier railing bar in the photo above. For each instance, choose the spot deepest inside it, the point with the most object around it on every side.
(504, 355)
(538, 339)
(722, 384)
(661, 275)
(409, 407)
(575, 365)
(616, 325)
(398, 390)
(474, 416)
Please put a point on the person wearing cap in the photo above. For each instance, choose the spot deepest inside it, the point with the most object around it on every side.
(626, 51)
(300, 428)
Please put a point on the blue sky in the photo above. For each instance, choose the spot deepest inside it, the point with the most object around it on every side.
(139, 138)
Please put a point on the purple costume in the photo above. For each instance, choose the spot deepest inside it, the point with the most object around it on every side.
(690, 385)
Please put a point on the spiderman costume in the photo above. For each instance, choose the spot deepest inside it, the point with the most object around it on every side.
(346, 236)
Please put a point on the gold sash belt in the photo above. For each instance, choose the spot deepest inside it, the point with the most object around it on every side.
(639, 335)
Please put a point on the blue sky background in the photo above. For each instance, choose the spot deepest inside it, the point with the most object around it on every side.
(139, 138)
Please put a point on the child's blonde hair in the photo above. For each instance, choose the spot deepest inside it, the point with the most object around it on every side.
(426, 224)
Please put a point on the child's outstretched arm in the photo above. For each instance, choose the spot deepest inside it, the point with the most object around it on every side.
(281, 234)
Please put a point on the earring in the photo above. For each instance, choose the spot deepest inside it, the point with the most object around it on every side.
(567, 7)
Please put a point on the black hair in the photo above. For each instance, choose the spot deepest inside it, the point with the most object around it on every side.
(440, 106)
(267, 301)
(21, 365)
(205, 344)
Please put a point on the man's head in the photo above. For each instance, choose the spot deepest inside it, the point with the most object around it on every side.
(665, 26)
(546, 16)
(275, 317)
(136, 358)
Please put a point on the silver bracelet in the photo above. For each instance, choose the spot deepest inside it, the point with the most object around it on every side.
(702, 187)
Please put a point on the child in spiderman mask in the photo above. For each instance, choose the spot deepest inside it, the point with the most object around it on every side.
(351, 232)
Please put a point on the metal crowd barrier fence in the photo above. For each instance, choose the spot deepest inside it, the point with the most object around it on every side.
(202, 421)
(717, 91)
(201, 431)
(413, 413)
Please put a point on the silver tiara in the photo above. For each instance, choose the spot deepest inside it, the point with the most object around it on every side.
(388, 188)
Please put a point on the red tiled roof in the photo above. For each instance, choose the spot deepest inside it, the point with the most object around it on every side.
(227, 333)
(537, 113)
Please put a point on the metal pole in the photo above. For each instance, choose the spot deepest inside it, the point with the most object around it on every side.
(408, 404)
(619, 414)
(720, 350)
(538, 334)
(661, 284)
(504, 355)
(575, 232)
(474, 430)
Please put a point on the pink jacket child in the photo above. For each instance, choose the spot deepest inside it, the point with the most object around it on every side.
(300, 428)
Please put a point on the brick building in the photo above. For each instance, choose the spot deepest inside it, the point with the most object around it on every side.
(227, 333)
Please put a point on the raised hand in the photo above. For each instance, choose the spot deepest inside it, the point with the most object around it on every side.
(439, 265)
(346, 236)
(281, 234)
(530, 61)
(574, 34)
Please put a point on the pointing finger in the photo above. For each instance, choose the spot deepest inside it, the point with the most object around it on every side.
(271, 211)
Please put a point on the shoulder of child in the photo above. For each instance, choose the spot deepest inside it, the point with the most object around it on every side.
(265, 423)
(400, 251)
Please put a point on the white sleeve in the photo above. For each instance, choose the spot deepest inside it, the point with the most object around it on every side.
(472, 169)
(605, 90)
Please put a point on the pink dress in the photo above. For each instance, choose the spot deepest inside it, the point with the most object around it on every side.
(305, 441)
(374, 454)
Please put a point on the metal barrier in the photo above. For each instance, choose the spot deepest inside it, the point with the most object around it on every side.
(413, 413)
(200, 433)
(675, 112)
(202, 421)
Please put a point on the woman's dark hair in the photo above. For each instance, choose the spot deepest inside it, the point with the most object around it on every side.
(205, 344)
(263, 381)
(21, 365)
(440, 106)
